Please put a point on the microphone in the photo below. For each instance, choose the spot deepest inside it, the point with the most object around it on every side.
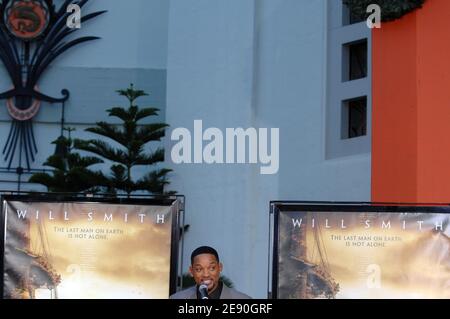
(203, 290)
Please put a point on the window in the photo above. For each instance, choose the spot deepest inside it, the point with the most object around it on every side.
(348, 17)
(354, 64)
(349, 84)
(354, 118)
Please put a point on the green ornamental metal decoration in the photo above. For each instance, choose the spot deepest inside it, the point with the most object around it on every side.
(390, 9)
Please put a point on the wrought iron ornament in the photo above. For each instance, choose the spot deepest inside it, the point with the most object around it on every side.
(33, 33)
(26, 19)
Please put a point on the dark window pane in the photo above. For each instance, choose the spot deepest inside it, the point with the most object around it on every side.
(348, 17)
(358, 61)
(355, 118)
(354, 60)
(355, 19)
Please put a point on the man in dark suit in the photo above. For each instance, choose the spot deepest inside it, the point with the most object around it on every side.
(206, 268)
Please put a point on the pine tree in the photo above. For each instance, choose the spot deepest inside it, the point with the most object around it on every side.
(71, 173)
(132, 138)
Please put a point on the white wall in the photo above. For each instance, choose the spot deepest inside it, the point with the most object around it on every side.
(133, 32)
(210, 71)
(262, 64)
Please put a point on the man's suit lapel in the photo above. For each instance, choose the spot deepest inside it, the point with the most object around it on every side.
(226, 293)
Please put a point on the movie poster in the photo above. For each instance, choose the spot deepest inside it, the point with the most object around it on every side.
(76, 250)
(363, 255)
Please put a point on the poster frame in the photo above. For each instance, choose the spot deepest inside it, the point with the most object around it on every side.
(276, 207)
(176, 202)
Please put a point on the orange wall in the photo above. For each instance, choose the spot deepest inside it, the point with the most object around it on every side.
(411, 107)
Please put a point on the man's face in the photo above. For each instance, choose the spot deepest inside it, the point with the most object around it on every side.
(206, 269)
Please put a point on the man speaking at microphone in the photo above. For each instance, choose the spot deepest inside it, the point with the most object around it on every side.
(205, 269)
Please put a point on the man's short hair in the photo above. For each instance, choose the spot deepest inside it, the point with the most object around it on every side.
(204, 250)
